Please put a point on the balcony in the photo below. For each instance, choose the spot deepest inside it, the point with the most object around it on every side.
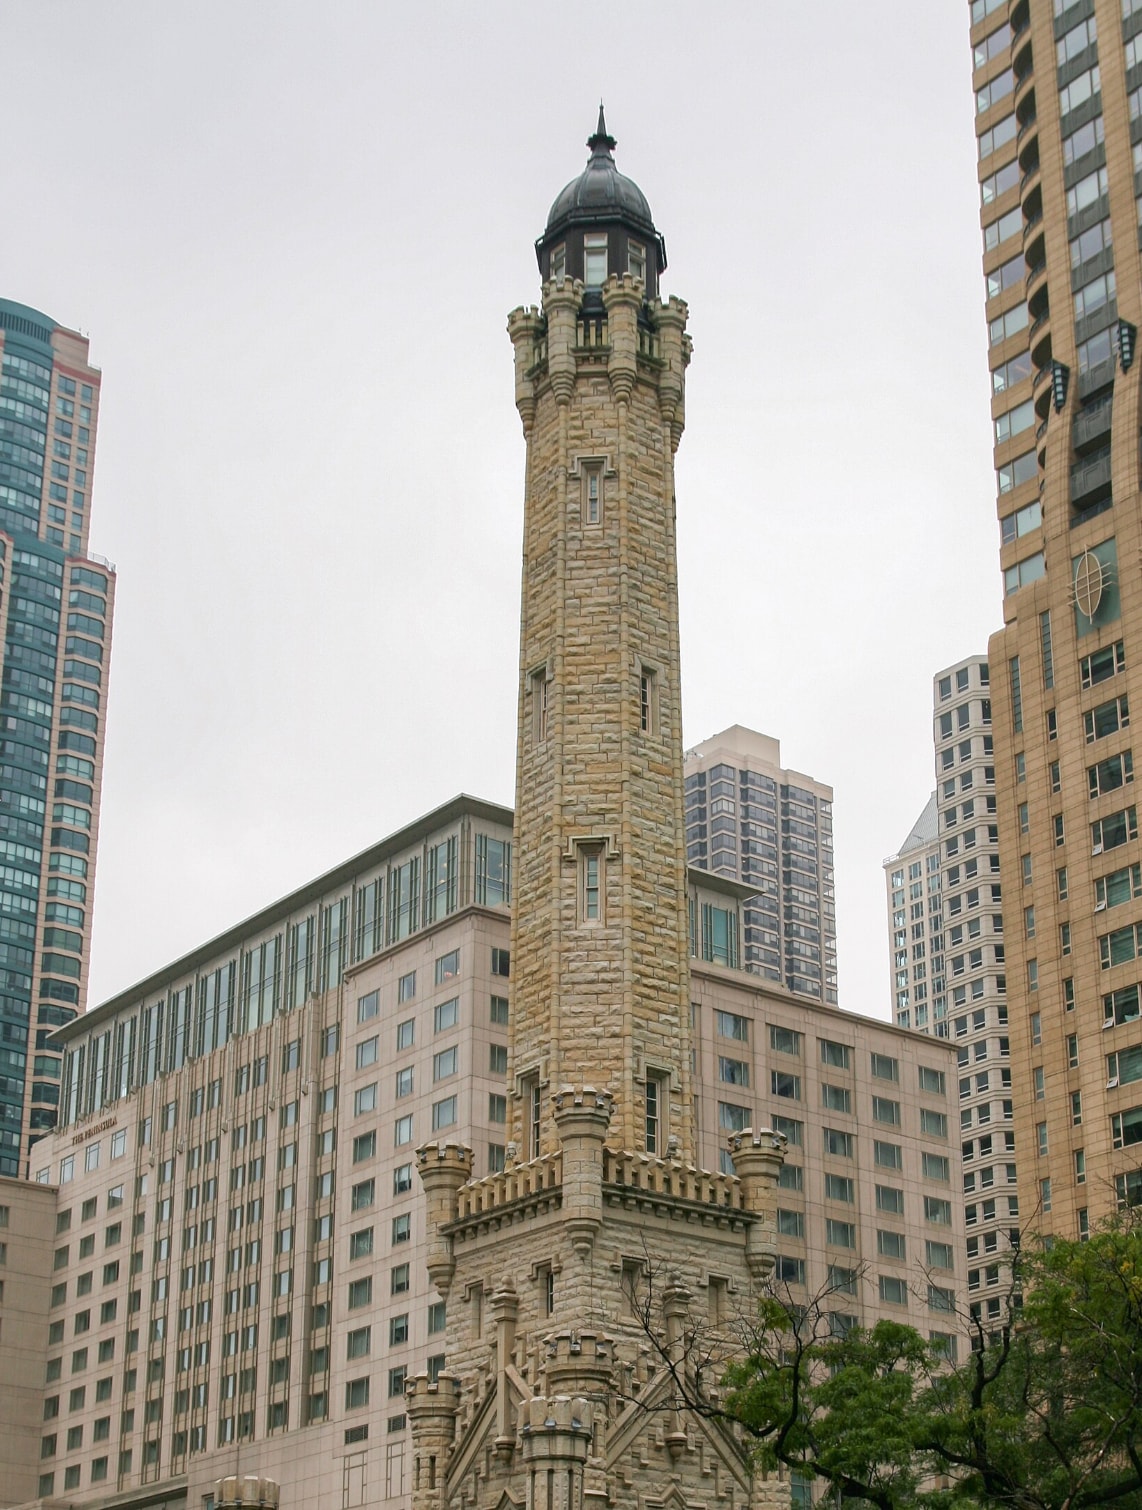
(1034, 241)
(1090, 480)
(1092, 426)
(1021, 60)
(1101, 375)
(1039, 339)
(1035, 283)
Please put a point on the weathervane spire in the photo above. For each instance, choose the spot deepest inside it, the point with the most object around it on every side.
(602, 142)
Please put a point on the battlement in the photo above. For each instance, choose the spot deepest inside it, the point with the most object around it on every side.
(449, 1159)
(540, 1182)
(588, 339)
(642, 1172)
(427, 1396)
(540, 1178)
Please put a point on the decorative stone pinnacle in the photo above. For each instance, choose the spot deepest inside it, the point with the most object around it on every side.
(557, 1413)
(455, 1155)
(760, 1138)
(586, 1098)
(236, 1493)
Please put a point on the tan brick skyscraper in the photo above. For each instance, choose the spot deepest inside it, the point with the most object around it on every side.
(1059, 129)
(554, 1392)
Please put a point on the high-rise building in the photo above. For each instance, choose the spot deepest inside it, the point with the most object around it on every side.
(1059, 120)
(334, 1148)
(55, 628)
(749, 818)
(949, 963)
(944, 917)
(915, 921)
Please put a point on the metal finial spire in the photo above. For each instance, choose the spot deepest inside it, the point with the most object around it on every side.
(601, 142)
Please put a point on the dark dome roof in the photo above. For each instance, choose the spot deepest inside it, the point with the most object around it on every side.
(600, 192)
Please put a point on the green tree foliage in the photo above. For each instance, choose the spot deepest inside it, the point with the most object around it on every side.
(1043, 1411)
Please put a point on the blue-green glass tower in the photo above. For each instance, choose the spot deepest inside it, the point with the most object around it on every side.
(56, 605)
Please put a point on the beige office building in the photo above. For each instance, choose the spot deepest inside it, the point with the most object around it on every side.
(224, 1267)
(1059, 124)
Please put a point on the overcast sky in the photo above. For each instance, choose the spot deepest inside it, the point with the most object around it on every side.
(294, 232)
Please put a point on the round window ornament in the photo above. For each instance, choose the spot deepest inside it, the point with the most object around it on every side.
(1090, 580)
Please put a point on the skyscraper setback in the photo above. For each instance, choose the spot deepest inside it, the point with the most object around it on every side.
(1059, 126)
(55, 627)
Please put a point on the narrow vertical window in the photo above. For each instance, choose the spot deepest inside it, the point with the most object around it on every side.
(595, 260)
(559, 263)
(590, 885)
(647, 701)
(540, 704)
(533, 1115)
(1048, 659)
(636, 260)
(1016, 696)
(593, 493)
(655, 1113)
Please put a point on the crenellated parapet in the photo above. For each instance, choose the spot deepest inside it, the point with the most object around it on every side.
(619, 329)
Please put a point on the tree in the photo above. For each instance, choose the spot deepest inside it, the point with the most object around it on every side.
(1045, 1412)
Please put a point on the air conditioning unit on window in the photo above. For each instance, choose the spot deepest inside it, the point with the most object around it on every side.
(1109, 1023)
(1100, 907)
(1096, 849)
(1112, 1083)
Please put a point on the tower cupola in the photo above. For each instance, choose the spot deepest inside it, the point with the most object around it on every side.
(601, 224)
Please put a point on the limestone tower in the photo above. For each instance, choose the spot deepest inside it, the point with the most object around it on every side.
(600, 950)
(556, 1394)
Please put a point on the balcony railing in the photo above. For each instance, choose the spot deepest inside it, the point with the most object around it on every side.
(591, 331)
(1090, 478)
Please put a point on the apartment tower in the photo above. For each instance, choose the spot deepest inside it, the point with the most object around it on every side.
(56, 603)
(749, 818)
(949, 962)
(1059, 124)
(915, 921)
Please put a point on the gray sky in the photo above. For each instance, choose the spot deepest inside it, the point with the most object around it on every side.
(294, 232)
